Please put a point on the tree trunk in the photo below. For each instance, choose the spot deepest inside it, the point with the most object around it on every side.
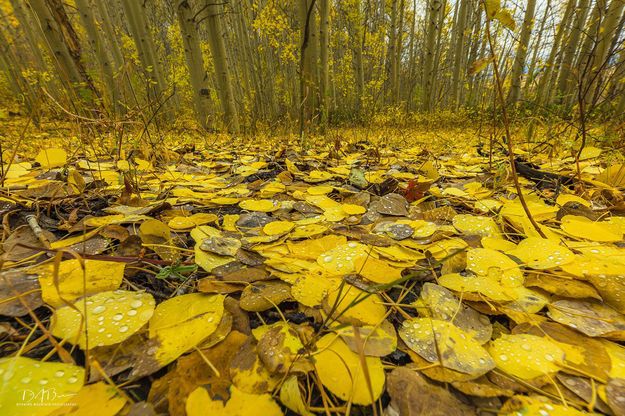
(324, 79)
(521, 53)
(458, 67)
(537, 48)
(97, 45)
(217, 47)
(142, 37)
(195, 62)
(391, 61)
(600, 57)
(565, 78)
(544, 92)
(428, 98)
(66, 57)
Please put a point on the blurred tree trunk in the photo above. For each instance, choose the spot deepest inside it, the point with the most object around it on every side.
(566, 77)
(537, 46)
(391, 57)
(106, 71)
(222, 71)
(459, 65)
(307, 63)
(195, 62)
(521, 53)
(599, 59)
(142, 37)
(324, 79)
(65, 50)
(544, 90)
(429, 87)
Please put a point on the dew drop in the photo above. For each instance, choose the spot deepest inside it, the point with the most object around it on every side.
(59, 373)
(72, 380)
(99, 309)
(136, 304)
(503, 357)
(123, 328)
(26, 380)
(118, 317)
(131, 312)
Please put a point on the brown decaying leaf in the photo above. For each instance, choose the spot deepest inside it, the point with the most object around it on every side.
(412, 395)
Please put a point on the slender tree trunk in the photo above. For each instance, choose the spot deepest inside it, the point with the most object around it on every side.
(217, 46)
(537, 47)
(391, 62)
(544, 92)
(398, 50)
(521, 53)
(195, 62)
(324, 79)
(142, 37)
(607, 31)
(66, 59)
(428, 100)
(458, 67)
(306, 80)
(566, 78)
(106, 71)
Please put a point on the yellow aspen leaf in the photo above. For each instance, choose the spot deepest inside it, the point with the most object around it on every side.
(111, 318)
(343, 373)
(240, 403)
(526, 356)
(156, 235)
(353, 209)
(27, 382)
(72, 281)
(319, 190)
(442, 342)
(617, 358)
(182, 322)
(278, 227)
(541, 254)
(260, 205)
(537, 405)
(51, 158)
(497, 243)
(341, 259)
(376, 270)
(352, 305)
(376, 341)
(291, 397)
(95, 399)
(476, 225)
(582, 227)
(310, 289)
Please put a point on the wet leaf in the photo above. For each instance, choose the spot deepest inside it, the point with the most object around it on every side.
(27, 382)
(442, 342)
(109, 318)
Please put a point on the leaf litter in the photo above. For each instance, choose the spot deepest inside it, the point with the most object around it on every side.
(286, 281)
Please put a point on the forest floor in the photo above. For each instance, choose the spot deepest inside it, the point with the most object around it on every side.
(372, 271)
